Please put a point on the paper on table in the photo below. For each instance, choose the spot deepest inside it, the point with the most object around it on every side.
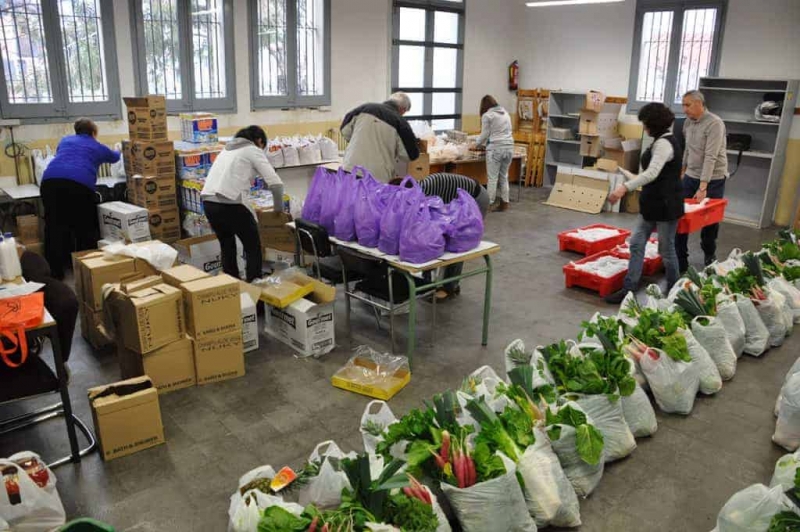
(395, 259)
(484, 245)
(13, 290)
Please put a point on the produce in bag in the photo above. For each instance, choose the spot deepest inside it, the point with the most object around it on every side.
(674, 383)
(308, 152)
(370, 202)
(483, 384)
(291, 157)
(465, 230)
(639, 413)
(789, 374)
(656, 299)
(710, 379)
(344, 226)
(29, 500)
(252, 497)
(393, 216)
(731, 319)
(324, 490)
(785, 474)
(579, 447)
(712, 336)
(374, 424)
(275, 154)
(517, 355)
(773, 317)
(787, 427)
(756, 332)
(332, 198)
(421, 238)
(790, 292)
(313, 203)
(328, 149)
(786, 311)
(752, 510)
(749, 281)
(607, 416)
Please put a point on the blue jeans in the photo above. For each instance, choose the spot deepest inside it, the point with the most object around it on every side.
(666, 247)
(708, 234)
(498, 161)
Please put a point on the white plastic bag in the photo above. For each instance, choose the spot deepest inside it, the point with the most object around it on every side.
(707, 372)
(548, 492)
(309, 152)
(275, 157)
(639, 413)
(757, 334)
(730, 318)
(583, 477)
(787, 427)
(789, 374)
(786, 310)
(118, 168)
(159, 255)
(772, 316)
(541, 373)
(41, 162)
(325, 490)
(673, 383)
(785, 470)
(752, 509)
(486, 381)
(290, 155)
(39, 508)
(328, 149)
(710, 333)
(790, 292)
(496, 504)
(380, 419)
(607, 416)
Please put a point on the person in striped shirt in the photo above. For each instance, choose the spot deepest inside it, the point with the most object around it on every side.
(446, 187)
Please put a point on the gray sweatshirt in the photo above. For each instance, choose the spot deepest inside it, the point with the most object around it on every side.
(496, 129)
(705, 157)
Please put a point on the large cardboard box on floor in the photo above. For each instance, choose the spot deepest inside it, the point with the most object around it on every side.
(96, 270)
(127, 417)
(578, 190)
(203, 252)
(274, 232)
(123, 221)
(153, 192)
(624, 152)
(170, 367)
(307, 325)
(212, 306)
(149, 318)
(92, 327)
(165, 224)
(185, 273)
(155, 158)
(147, 117)
(219, 357)
(249, 323)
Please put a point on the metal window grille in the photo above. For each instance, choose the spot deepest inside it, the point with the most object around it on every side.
(272, 52)
(654, 59)
(310, 54)
(209, 49)
(84, 53)
(24, 50)
(697, 48)
(162, 48)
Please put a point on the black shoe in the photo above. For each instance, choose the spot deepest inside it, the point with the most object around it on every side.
(616, 298)
(709, 260)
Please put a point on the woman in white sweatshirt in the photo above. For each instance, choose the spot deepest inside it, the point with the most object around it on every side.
(228, 181)
(496, 136)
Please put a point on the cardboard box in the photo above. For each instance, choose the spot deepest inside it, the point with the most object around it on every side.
(92, 327)
(191, 165)
(249, 323)
(199, 128)
(590, 146)
(624, 152)
(212, 306)
(203, 252)
(607, 165)
(307, 325)
(123, 221)
(28, 229)
(147, 117)
(219, 357)
(165, 224)
(155, 192)
(594, 101)
(170, 367)
(588, 124)
(185, 273)
(35, 247)
(127, 158)
(561, 133)
(630, 203)
(277, 256)
(150, 318)
(95, 271)
(127, 417)
(274, 232)
(421, 168)
(153, 158)
(579, 190)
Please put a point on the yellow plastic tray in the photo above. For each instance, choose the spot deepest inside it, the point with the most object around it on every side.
(283, 295)
(347, 379)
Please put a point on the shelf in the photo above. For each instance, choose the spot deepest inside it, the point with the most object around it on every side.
(571, 117)
(754, 154)
(732, 89)
(565, 141)
(754, 122)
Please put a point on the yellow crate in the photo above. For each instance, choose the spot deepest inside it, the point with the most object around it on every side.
(284, 294)
(347, 379)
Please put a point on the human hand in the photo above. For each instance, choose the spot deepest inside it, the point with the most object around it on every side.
(701, 194)
(618, 194)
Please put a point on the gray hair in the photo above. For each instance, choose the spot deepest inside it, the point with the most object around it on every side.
(697, 96)
(401, 100)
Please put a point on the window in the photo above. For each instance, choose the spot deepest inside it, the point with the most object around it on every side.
(184, 50)
(58, 59)
(675, 44)
(428, 55)
(290, 66)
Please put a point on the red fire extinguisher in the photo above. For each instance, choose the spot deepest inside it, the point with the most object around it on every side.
(513, 76)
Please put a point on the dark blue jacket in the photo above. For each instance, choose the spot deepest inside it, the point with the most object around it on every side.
(77, 158)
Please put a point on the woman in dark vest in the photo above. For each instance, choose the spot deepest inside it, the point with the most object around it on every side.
(661, 200)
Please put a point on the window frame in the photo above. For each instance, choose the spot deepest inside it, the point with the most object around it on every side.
(291, 99)
(61, 109)
(188, 103)
(427, 89)
(678, 7)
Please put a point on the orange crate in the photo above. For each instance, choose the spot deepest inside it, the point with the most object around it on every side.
(602, 285)
(650, 267)
(712, 213)
(567, 240)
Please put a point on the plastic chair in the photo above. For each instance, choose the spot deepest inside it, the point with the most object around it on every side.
(314, 240)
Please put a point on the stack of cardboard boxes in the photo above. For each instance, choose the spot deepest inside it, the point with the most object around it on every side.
(28, 229)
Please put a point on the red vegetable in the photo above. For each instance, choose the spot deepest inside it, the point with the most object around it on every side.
(473, 474)
(325, 528)
(444, 452)
(313, 526)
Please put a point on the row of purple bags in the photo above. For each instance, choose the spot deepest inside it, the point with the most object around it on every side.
(397, 219)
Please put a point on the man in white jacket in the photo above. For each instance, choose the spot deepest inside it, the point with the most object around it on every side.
(229, 179)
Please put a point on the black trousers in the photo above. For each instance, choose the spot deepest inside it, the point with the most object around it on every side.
(230, 222)
(70, 217)
(708, 234)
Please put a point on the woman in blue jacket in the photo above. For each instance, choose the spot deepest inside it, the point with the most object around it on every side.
(68, 195)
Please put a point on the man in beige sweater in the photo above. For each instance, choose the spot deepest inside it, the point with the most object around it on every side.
(705, 169)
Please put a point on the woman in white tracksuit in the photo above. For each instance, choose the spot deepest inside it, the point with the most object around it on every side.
(496, 136)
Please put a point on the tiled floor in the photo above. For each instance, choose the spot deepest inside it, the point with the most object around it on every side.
(676, 480)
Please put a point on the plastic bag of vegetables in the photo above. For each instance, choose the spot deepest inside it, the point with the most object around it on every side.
(730, 318)
(790, 292)
(786, 311)
(787, 427)
(550, 496)
(578, 445)
(325, 489)
(794, 369)
(749, 281)
(608, 417)
(786, 471)
(710, 379)
(710, 333)
(495, 504)
(639, 413)
(674, 383)
(753, 509)
(374, 423)
(482, 383)
(772, 316)
(251, 498)
(517, 355)
(756, 332)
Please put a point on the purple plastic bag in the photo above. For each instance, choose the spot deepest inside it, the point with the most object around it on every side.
(368, 206)
(392, 218)
(421, 238)
(344, 223)
(465, 229)
(331, 200)
(313, 203)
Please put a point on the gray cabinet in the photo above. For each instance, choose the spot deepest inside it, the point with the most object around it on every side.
(563, 112)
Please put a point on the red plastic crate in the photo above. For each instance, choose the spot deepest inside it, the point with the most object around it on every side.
(650, 267)
(712, 213)
(568, 242)
(603, 286)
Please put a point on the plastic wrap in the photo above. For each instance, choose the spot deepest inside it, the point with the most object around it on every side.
(710, 333)
(752, 509)
(673, 383)
(785, 470)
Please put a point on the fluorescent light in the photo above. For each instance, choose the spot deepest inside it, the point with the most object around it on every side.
(569, 2)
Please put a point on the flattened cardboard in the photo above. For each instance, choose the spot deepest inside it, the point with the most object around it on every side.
(184, 273)
(97, 270)
(421, 168)
(151, 318)
(578, 191)
(219, 357)
(129, 423)
(212, 306)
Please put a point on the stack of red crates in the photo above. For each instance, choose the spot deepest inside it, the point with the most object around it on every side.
(569, 241)
(651, 266)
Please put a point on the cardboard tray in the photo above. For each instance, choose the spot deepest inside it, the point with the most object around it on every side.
(602, 285)
(346, 379)
(568, 242)
(712, 213)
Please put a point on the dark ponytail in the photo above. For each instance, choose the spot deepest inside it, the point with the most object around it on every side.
(252, 133)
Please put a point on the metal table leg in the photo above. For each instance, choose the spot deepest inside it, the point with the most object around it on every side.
(61, 372)
(412, 316)
(487, 300)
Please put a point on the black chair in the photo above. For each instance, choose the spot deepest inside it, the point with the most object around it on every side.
(314, 240)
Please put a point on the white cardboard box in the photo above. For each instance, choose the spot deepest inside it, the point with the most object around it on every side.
(306, 325)
(249, 323)
(123, 221)
(203, 252)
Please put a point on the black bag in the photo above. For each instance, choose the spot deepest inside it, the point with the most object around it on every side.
(738, 142)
